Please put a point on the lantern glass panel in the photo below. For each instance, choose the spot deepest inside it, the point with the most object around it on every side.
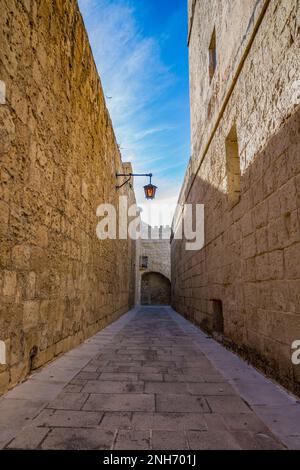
(150, 190)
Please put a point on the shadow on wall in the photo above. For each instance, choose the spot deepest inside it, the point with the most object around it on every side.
(155, 289)
(59, 284)
(245, 283)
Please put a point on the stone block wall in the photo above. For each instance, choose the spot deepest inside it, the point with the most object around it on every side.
(59, 283)
(155, 289)
(158, 253)
(249, 267)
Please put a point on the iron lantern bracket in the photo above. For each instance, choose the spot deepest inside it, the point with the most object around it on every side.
(130, 175)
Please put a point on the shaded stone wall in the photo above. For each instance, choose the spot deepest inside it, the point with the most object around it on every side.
(59, 284)
(155, 290)
(249, 267)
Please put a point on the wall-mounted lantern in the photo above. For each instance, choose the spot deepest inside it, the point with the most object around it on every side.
(149, 189)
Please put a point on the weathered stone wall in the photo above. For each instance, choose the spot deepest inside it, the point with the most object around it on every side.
(251, 258)
(59, 284)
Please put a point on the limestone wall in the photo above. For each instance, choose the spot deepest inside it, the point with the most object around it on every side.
(59, 284)
(250, 261)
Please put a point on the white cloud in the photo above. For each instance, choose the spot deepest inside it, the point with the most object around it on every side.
(129, 64)
(150, 132)
(135, 77)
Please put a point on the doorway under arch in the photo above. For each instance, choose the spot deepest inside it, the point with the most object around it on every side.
(155, 289)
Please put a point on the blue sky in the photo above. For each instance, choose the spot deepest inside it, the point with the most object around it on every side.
(142, 58)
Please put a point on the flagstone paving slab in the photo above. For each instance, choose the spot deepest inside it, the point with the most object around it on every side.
(151, 380)
(137, 440)
(78, 439)
(120, 402)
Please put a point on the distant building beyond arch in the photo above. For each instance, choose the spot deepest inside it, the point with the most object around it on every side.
(155, 289)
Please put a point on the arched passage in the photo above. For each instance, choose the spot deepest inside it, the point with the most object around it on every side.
(155, 289)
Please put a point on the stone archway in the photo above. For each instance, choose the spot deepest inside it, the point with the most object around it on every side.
(155, 289)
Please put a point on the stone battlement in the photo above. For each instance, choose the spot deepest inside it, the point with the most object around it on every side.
(157, 232)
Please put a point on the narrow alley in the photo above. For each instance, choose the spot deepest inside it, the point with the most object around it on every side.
(150, 380)
(149, 229)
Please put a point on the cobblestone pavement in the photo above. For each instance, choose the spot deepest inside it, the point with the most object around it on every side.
(154, 381)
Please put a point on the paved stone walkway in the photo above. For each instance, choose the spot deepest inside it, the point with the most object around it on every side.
(153, 381)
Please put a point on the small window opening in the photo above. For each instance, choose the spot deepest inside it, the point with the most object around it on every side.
(212, 55)
(233, 168)
(143, 262)
(218, 319)
(32, 355)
